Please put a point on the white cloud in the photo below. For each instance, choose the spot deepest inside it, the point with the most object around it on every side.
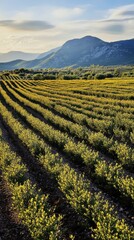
(117, 25)
(67, 13)
(52, 14)
(122, 12)
(27, 25)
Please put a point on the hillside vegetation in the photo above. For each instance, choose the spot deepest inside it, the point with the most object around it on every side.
(92, 72)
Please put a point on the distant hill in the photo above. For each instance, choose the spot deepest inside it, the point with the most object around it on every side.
(81, 52)
(14, 55)
(42, 55)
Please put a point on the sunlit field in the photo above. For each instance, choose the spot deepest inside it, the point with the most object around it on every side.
(67, 157)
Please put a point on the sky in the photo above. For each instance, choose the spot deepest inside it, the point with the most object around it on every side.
(37, 26)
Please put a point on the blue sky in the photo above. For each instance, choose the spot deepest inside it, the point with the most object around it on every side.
(39, 25)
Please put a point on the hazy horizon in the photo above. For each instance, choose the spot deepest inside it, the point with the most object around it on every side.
(38, 26)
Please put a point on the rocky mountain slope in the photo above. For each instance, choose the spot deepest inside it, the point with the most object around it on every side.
(82, 52)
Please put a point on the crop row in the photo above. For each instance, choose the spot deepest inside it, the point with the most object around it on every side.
(77, 150)
(103, 100)
(32, 206)
(92, 206)
(90, 109)
(97, 139)
(70, 97)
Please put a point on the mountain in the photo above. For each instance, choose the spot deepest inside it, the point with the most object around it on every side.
(91, 50)
(42, 55)
(14, 55)
(81, 52)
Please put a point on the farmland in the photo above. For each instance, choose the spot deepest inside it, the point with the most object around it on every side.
(67, 159)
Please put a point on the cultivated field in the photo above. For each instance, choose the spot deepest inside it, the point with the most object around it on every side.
(67, 159)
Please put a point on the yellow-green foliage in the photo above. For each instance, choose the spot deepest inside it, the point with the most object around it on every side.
(83, 120)
(107, 225)
(32, 206)
(35, 212)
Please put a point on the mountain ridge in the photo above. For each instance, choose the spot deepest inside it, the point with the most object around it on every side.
(16, 55)
(81, 52)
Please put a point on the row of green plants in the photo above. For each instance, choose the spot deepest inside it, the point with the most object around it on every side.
(123, 103)
(115, 86)
(121, 117)
(120, 127)
(92, 109)
(62, 94)
(121, 120)
(75, 150)
(31, 204)
(6, 76)
(92, 206)
(101, 111)
(98, 140)
(105, 93)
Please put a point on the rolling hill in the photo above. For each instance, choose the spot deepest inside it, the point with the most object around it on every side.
(14, 55)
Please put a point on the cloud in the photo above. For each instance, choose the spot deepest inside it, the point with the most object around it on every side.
(127, 13)
(115, 28)
(114, 20)
(119, 17)
(5, 23)
(67, 13)
(117, 25)
(69, 23)
(123, 12)
(29, 25)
